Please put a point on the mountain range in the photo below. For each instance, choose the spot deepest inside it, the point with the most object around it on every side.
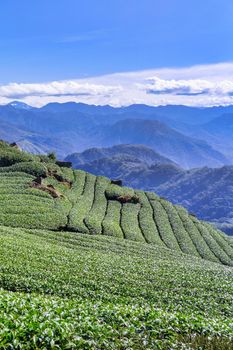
(170, 139)
(176, 132)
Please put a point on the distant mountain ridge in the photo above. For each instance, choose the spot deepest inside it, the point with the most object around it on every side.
(187, 152)
(141, 152)
(73, 127)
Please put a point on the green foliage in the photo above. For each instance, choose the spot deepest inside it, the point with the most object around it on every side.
(201, 245)
(220, 239)
(32, 168)
(147, 222)
(163, 224)
(88, 204)
(75, 291)
(82, 206)
(52, 156)
(97, 213)
(79, 291)
(43, 158)
(68, 174)
(23, 206)
(130, 223)
(79, 178)
(10, 156)
(111, 222)
(114, 191)
(204, 341)
(182, 236)
(214, 247)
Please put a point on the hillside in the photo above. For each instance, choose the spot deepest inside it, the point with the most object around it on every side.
(73, 200)
(206, 192)
(88, 264)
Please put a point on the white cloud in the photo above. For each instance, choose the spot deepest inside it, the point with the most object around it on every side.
(55, 88)
(188, 87)
(205, 85)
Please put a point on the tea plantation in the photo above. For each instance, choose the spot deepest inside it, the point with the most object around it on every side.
(88, 264)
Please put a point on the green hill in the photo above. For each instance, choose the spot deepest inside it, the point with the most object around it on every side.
(88, 264)
(74, 200)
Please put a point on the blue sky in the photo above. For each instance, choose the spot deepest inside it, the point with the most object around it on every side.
(55, 39)
(117, 52)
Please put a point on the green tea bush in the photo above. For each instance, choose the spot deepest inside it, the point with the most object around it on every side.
(68, 174)
(50, 220)
(214, 247)
(97, 213)
(113, 192)
(163, 224)
(146, 219)
(79, 291)
(4, 175)
(219, 238)
(83, 205)
(43, 158)
(32, 168)
(201, 245)
(90, 204)
(12, 156)
(23, 206)
(130, 223)
(111, 222)
(182, 236)
(77, 186)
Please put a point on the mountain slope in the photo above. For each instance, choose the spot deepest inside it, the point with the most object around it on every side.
(219, 133)
(63, 199)
(187, 152)
(220, 125)
(207, 192)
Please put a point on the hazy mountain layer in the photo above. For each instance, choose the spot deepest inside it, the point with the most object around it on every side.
(71, 127)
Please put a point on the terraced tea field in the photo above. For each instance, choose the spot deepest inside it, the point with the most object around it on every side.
(88, 264)
(93, 205)
(74, 291)
(23, 206)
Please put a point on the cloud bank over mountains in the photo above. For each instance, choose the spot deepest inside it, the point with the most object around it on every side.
(204, 85)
